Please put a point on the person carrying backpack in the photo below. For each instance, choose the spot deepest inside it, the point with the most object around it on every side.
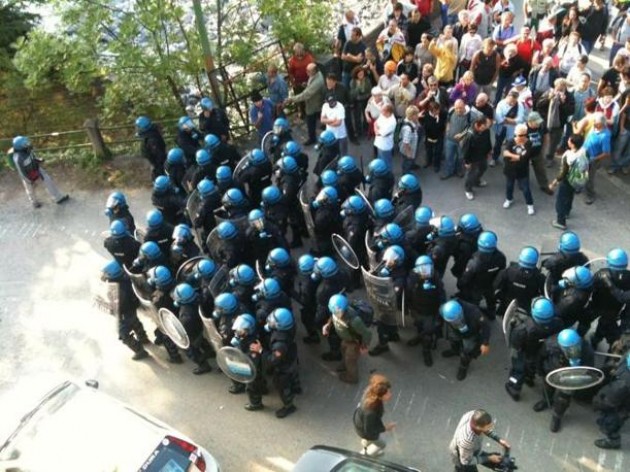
(351, 322)
(571, 179)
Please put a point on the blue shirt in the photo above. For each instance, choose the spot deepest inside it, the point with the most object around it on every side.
(278, 90)
(267, 109)
(597, 142)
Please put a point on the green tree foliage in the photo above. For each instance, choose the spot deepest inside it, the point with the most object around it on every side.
(15, 22)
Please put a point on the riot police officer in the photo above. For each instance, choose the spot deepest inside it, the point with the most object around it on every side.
(612, 403)
(262, 236)
(149, 256)
(245, 335)
(611, 291)
(224, 179)
(425, 294)
(477, 281)
(268, 296)
(304, 293)
(124, 306)
(116, 208)
(350, 177)
(152, 145)
(283, 357)
(242, 280)
(166, 199)
(392, 234)
(328, 178)
(222, 152)
(520, 281)
(226, 309)
(213, 120)
(330, 281)
(205, 168)
(120, 244)
(255, 176)
(188, 139)
(187, 302)
(183, 247)
(567, 349)
(408, 193)
(228, 249)
(158, 231)
(568, 255)
(326, 216)
(275, 207)
(417, 236)
(289, 181)
(355, 223)
(281, 135)
(468, 331)
(328, 151)
(294, 150)
(162, 281)
(526, 335)
(572, 297)
(469, 228)
(204, 219)
(392, 266)
(443, 247)
(234, 204)
(175, 168)
(280, 267)
(380, 180)
(384, 213)
(199, 279)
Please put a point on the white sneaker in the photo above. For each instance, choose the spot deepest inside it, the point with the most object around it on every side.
(530, 209)
(507, 203)
(470, 196)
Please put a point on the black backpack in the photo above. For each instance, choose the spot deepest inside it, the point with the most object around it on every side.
(363, 310)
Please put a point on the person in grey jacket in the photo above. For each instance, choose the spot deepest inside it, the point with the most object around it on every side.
(313, 98)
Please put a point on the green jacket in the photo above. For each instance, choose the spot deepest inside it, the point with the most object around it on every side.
(313, 94)
(352, 328)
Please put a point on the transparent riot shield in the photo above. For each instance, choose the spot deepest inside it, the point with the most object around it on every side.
(220, 281)
(548, 289)
(139, 235)
(345, 252)
(107, 299)
(236, 364)
(267, 143)
(240, 167)
(193, 204)
(220, 215)
(512, 312)
(575, 378)
(371, 254)
(260, 270)
(366, 201)
(405, 218)
(140, 287)
(596, 264)
(308, 217)
(187, 268)
(173, 328)
(382, 296)
(210, 331)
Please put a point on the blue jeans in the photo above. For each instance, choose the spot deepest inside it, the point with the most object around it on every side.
(499, 137)
(523, 184)
(588, 46)
(613, 52)
(453, 157)
(386, 156)
(346, 77)
(502, 84)
(621, 151)
(564, 201)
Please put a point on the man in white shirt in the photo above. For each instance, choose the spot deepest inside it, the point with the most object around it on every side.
(384, 128)
(334, 117)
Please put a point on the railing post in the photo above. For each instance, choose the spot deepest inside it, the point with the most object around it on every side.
(96, 138)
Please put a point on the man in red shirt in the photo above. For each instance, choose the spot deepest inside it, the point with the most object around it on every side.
(525, 47)
(424, 7)
(297, 70)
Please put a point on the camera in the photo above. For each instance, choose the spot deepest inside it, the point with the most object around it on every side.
(507, 464)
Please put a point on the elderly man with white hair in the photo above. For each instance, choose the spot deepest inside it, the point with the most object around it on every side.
(598, 145)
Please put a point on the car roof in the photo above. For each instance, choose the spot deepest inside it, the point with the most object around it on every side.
(329, 458)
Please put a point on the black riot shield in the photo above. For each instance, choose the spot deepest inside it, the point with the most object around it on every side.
(366, 201)
(345, 252)
(370, 253)
(186, 269)
(220, 281)
(308, 217)
(210, 331)
(575, 378)
(192, 210)
(173, 328)
(509, 318)
(382, 296)
(236, 365)
(405, 218)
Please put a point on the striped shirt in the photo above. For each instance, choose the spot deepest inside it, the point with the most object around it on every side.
(466, 444)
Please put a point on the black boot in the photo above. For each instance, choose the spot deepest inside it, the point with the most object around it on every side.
(428, 357)
(554, 427)
(285, 411)
(462, 372)
(175, 358)
(136, 347)
(608, 443)
(540, 405)
(378, 349)
(254, 406)
(236, 388)
(202, 368)
(513, 391)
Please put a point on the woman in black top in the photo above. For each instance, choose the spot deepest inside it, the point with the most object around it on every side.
(517, 155)
(368, 417)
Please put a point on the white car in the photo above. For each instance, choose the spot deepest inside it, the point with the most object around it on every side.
(78, 429)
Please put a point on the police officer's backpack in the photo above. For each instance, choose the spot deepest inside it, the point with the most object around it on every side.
(363, 310)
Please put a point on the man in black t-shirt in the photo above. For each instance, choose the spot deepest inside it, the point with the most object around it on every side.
(612, 77)
(352, 55)
(517, 155)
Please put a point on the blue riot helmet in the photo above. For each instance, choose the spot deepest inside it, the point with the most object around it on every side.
(244, 325)
(469, 223)
(225, 304)
(327, 138)
(271, 195)
(571, 344)
(257, 157)
(256, 218)
(211, 142)
(291, 148)
(150, 250)
(390, 234)
(280, 319)
(579, 277)
(329, 178)
(117, 229)
(487, 241)
(205, 269)
(233, 198)
(185, 124)
(160, 277)
(278, 257)
(306, 264)
(384, 209)
(143, 124)
(227, 230)
(325, 267)
(115, 200)
(155, 219)
(280, 126)
(203, 157)
(569, 242)
(453, 314)
(111, 271)
(161, 184)
(617, 259)
(223, 174)
(21, 143)
(447, 227)
(207, 104)
(354, 205)
(346, 164)
(206, 187)
(542, 310)
(423, 215)
(378, 168)
(175, 156)
(528, 258)
(288, 165)
(337, 305)
(409, 183)
(393, 257)
(182, 233)
(424, 267)
(267, 289)
(183, 294)
(242, 275)
(325, 196)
